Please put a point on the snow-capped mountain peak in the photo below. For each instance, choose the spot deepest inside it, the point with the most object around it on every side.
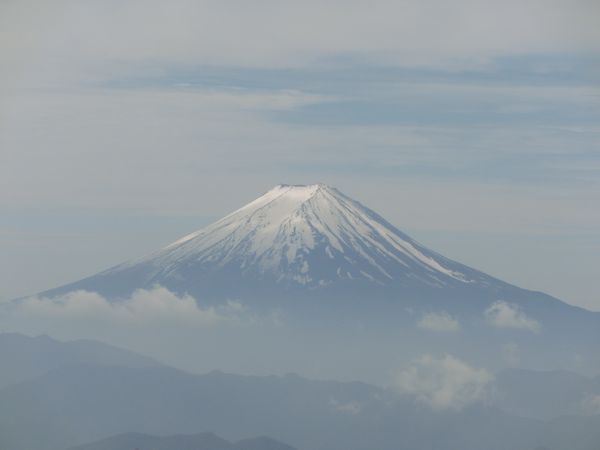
(307, 235)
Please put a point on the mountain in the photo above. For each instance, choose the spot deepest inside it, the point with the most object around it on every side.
(23, 357)
(202, 441)
(291, 238)
(78, 404)
(330, 266)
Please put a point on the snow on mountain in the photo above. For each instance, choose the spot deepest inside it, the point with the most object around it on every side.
(293, 238)
(309, 235)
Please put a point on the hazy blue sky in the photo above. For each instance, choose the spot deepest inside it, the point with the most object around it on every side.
(472, 125)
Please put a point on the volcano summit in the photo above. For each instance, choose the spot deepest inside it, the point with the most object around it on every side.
(294, 237)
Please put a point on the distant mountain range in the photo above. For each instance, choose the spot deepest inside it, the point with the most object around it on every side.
(74, 404)
(24, 358)
(330, 266)
(202, 441)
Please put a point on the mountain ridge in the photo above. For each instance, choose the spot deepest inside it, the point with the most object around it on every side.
(24, 357)
(99, 401)
(199, 441)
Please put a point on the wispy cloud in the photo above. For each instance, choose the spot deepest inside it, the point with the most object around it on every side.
(445, 383)
(439, 322)
(86, 36)
(505, 315)
(144, 307)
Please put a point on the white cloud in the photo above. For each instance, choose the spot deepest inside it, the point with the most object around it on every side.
(506, 315)
(175, 329)
(444, 383)
(158, 305)
(439, 322)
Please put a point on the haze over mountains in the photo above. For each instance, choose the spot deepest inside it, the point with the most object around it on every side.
(328, 276)
(115, 405)
(304, 320)
(428, 353)
(202, 441)
(24, 358)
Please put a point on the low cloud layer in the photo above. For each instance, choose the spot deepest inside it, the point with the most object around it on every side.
(439, 322)
(445, 383)
(143, 307)
(506, 315)
(175, 329)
